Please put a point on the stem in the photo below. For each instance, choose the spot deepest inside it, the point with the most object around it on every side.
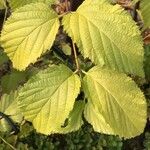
(146, 36)
(84, 72)
(7, 143)
(67, 7)
(76, 58)
(59, 16)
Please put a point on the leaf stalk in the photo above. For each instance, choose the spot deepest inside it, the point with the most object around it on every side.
(76, 57)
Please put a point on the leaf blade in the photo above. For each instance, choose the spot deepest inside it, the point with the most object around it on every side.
(28, 33)
(110, 39)
(48, 97)
(14, 4)
(74, 120)
(7, 104)
(115, 96)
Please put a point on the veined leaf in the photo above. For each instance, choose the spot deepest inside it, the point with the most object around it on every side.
(114, 102)
(145, 11)
(107, 35)
(19, 3)
(28, 33)
(74, 120)
(48, 97)
(8, 106)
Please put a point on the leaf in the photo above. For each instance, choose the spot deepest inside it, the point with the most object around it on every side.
(11, 81)
(145, 11)
(2, 4)
(48, 97)
(66, 48)
(14, 4)
(8, 106)
(28, 33)
(147, 62)
(115, 103)
(107, 35)
(74, 120)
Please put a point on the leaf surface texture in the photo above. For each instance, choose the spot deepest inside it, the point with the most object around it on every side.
(107, 35)
(74, 121)
(14, 4)
(48, 97)
(115, 103)
(28, 33)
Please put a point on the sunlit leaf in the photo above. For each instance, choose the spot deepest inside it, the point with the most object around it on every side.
(74, 121)
(14, 4)
(107, 35)
(48, 97)
(115, 103)
(28, 33)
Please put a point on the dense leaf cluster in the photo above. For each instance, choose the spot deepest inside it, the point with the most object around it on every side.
(61, 68)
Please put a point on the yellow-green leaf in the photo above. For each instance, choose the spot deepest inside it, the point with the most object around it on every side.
(8, 106)
(48, 97)
(115, 103)
(107, 35)
(28, 33)
(74, 121)
(14, 4)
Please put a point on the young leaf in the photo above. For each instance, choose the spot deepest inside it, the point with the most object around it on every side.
(74, 120)
(107, 35)
(8, 106)
(48, 97)
(145, 11)
(28, 33)
(115, 103)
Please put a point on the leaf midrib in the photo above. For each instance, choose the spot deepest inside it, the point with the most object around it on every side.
(105, 88)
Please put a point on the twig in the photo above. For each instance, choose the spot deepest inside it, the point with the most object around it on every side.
(7, 143)
(76, 58)
(61, 15)
(67, 7)
(84, 72)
